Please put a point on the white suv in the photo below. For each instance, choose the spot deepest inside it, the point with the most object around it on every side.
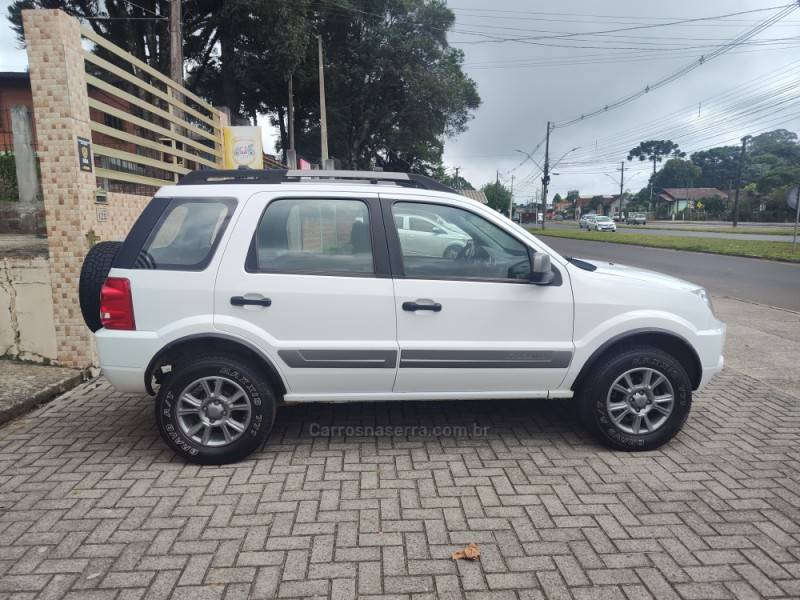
(238, 290)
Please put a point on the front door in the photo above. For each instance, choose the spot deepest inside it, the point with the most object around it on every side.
(468, 321)
(309, 284)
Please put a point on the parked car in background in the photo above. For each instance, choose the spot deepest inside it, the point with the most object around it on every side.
(237, 291)
(583, 222)
(601, 223)
(425, 236)
(637, 219)
(558, 218)
(619, 217)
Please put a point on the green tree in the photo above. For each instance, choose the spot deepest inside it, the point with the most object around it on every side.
(718, 166)
(237, 53)
(655, 151)
(395, 88)
(557, 198)
(498, 196)
(677, 173)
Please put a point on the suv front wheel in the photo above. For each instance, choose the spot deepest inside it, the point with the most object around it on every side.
(215, 410)
(636, 400)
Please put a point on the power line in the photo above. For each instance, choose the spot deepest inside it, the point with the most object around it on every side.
(684, 70)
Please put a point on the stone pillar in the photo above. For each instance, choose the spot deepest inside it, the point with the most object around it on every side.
(61, 109)
(30, 192)
(29, 207)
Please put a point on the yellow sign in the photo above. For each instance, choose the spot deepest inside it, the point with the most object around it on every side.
(242, 147)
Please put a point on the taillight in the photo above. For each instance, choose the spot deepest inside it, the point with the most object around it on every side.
(116, 304)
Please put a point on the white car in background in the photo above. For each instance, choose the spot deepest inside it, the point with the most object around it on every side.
(601, 223)
(430, 236)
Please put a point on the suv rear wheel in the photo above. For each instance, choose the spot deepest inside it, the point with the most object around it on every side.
(636, 400)
(215, 410)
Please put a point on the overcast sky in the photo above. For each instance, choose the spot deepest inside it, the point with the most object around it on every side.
(523, 84)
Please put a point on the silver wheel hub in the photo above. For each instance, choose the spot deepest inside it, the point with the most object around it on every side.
(640, 401)
(213, 411)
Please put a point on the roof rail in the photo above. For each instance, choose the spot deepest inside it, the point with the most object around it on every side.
(273, 176)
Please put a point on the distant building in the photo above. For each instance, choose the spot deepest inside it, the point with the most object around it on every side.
(608, 205)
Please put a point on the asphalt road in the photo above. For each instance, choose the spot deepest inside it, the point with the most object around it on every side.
(683, 233)
(763, 281)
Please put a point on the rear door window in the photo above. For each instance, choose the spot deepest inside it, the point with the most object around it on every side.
(187, 234)
(314, 236)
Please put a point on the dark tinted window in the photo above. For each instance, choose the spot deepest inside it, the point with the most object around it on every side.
(186, 235)
(313, 236)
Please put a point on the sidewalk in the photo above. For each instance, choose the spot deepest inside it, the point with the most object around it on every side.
(24, 385)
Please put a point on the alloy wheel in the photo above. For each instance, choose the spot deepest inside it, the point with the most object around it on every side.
(213, 411)
(640, 401)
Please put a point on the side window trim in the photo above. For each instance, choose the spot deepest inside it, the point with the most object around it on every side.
(380, 250)
(396, 253)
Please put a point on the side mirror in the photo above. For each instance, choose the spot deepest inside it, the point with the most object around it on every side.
(541, 271)
(437, 230)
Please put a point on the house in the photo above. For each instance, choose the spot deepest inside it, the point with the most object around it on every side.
(680, 198)
(607, 205)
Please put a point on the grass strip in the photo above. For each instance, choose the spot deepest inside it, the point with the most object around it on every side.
(751, 248)
(705, 229)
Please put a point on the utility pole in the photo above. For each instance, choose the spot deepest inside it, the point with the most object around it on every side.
(511, 201)
(546, 172)
(739, 181)
(291, 155)
(175, 42)
(621, 184)
(323, 118)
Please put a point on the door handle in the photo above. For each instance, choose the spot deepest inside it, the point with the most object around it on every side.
(242, 301)
(413, 306)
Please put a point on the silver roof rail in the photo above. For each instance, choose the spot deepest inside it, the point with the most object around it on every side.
(275, 176)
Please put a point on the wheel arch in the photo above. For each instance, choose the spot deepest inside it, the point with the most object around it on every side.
(212, 342)
(662, 339)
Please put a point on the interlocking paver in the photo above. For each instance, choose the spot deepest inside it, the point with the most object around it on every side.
(92, 505)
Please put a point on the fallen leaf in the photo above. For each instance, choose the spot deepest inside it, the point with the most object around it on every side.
(471, 552)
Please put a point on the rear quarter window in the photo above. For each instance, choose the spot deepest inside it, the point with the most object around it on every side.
(186, 235)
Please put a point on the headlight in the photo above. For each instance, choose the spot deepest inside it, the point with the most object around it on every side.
(705, 297)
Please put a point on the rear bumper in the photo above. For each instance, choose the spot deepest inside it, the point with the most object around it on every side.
(124, 356)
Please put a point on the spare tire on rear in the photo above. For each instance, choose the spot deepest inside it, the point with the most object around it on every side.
(95, 269)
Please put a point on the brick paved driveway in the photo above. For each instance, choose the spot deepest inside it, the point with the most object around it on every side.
(93, 506)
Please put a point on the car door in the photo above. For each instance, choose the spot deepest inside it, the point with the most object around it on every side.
(473, 324)
(306, 280)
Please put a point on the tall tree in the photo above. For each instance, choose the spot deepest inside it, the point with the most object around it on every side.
(677, 173)
(395, 88)
(655, 151)
(498, 196)
(718, 166)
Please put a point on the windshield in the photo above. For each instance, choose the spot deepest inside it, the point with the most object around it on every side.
(603, 219)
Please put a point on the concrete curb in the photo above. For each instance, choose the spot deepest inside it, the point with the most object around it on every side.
(44, 395)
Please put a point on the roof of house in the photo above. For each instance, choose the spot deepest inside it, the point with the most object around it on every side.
(583, 201)
(672, 194)
(475, 195)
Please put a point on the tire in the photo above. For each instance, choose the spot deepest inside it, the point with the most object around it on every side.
(601, 406)
(452, 251)
(94, 271)
(242, 384)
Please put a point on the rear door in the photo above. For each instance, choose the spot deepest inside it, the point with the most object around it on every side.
(306, 279)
